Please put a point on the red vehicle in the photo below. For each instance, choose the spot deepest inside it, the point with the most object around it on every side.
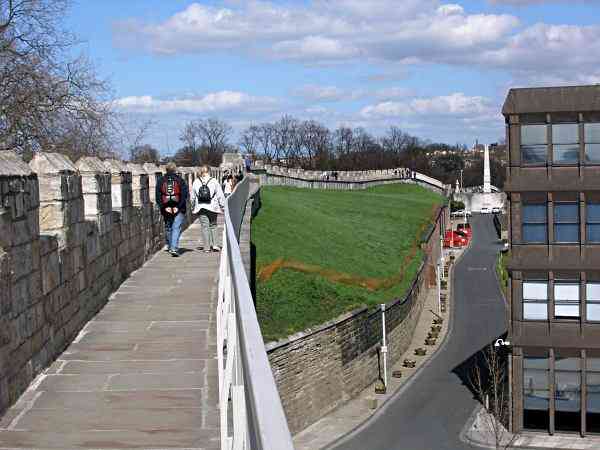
(465, 228)
(455, 239)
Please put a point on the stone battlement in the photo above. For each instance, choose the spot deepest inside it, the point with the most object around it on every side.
(70, 234)
(342, 175)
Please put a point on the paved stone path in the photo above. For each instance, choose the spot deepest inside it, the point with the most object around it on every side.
(141, 374)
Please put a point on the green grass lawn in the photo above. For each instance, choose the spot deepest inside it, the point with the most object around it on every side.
(366, 233)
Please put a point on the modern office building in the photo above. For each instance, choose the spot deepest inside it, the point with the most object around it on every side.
(553, 189)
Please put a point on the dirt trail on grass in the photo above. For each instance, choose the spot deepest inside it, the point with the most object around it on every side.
(370, 283)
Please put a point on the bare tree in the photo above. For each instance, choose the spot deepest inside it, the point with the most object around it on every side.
(265, 140)
(489, 381)
(283, 135)
(48, 99)
(144, 154)
(317, 142)
(249, 139)
(209, 137)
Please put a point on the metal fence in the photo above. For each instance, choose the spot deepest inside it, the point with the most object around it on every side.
(252, 416)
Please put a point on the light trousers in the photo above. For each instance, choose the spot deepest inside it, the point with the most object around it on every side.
(208, 224)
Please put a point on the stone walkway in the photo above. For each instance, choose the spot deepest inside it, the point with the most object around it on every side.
(350, 415)
(141, 374)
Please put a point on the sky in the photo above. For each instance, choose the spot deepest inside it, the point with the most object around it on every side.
(437, 70)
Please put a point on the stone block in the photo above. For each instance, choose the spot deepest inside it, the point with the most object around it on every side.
(11, 164)
(51, 268)
(51, 163)
(22, 260)
(52, 216)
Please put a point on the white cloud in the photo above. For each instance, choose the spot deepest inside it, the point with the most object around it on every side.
(315, 93)
(383, 31)
(209, 103)
(457, 104)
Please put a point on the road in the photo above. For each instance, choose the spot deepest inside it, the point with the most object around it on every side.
(431, 411)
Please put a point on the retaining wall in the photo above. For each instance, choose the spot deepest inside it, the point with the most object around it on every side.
(320, 368)
(70, 234)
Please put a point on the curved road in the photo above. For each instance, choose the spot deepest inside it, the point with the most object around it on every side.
(431, 411)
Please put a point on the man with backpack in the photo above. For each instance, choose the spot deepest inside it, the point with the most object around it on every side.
(171, 197)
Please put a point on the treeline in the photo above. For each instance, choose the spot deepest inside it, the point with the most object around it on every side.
(311, 145)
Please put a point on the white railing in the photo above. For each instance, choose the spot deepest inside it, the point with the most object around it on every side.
(252, 416)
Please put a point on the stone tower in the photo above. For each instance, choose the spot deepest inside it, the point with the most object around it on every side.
(487, 183)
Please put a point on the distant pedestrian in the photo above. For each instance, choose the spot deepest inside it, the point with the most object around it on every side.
(171, 197)
(240, 176)
(209, 201)
(228, 185)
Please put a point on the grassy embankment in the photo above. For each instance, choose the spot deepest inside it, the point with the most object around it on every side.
(502, 272)
(321, 253)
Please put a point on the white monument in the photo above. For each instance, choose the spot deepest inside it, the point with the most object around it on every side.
(487, 182)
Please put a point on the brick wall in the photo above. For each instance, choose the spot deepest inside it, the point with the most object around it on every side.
(70, 234)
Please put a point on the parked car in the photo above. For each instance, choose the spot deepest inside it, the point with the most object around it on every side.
(496, 210)
(455, 239)
(465, 228)
(461, 213)
(485, 210)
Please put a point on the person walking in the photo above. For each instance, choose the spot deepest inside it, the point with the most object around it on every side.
(209, 201)
(171, 197)
(228, 185)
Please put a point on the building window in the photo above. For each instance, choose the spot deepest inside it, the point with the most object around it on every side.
(534, 223)
(567, 393)
(592, 380)
(566, 300)
(535, 300)
(536, 393)
(565, 143)
(592, 229)
(566, 222)
(534, 142)
(591, 132)
(592, 295)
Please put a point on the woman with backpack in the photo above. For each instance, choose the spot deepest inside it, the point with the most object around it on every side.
(209, 201)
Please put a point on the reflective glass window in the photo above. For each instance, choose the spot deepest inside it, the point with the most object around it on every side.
(591, 133)
(567, 393)
(566, 222)
(536, 393)
(592, 226)
(534, 144)
(534, 223)
(566, 300)
(535, 300)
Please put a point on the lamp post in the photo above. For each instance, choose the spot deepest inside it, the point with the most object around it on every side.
(505, 344)
(384, 346)
(462, 190)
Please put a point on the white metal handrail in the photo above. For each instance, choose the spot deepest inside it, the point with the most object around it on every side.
(252, 416)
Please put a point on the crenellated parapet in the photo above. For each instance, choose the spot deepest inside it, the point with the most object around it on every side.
(270, 174)
(70, 234)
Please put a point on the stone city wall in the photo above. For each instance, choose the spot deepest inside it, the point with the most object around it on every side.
(70, 234)
(346, 180)
(319, 369)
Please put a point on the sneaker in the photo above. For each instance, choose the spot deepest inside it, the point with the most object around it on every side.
(174, 253)
(167, 249)
(215, 248)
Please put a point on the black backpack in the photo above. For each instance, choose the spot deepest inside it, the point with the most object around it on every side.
(204, 193)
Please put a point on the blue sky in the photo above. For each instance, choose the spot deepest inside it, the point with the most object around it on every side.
(439, 70)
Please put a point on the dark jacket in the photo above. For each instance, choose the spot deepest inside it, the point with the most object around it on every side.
(182, 206)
